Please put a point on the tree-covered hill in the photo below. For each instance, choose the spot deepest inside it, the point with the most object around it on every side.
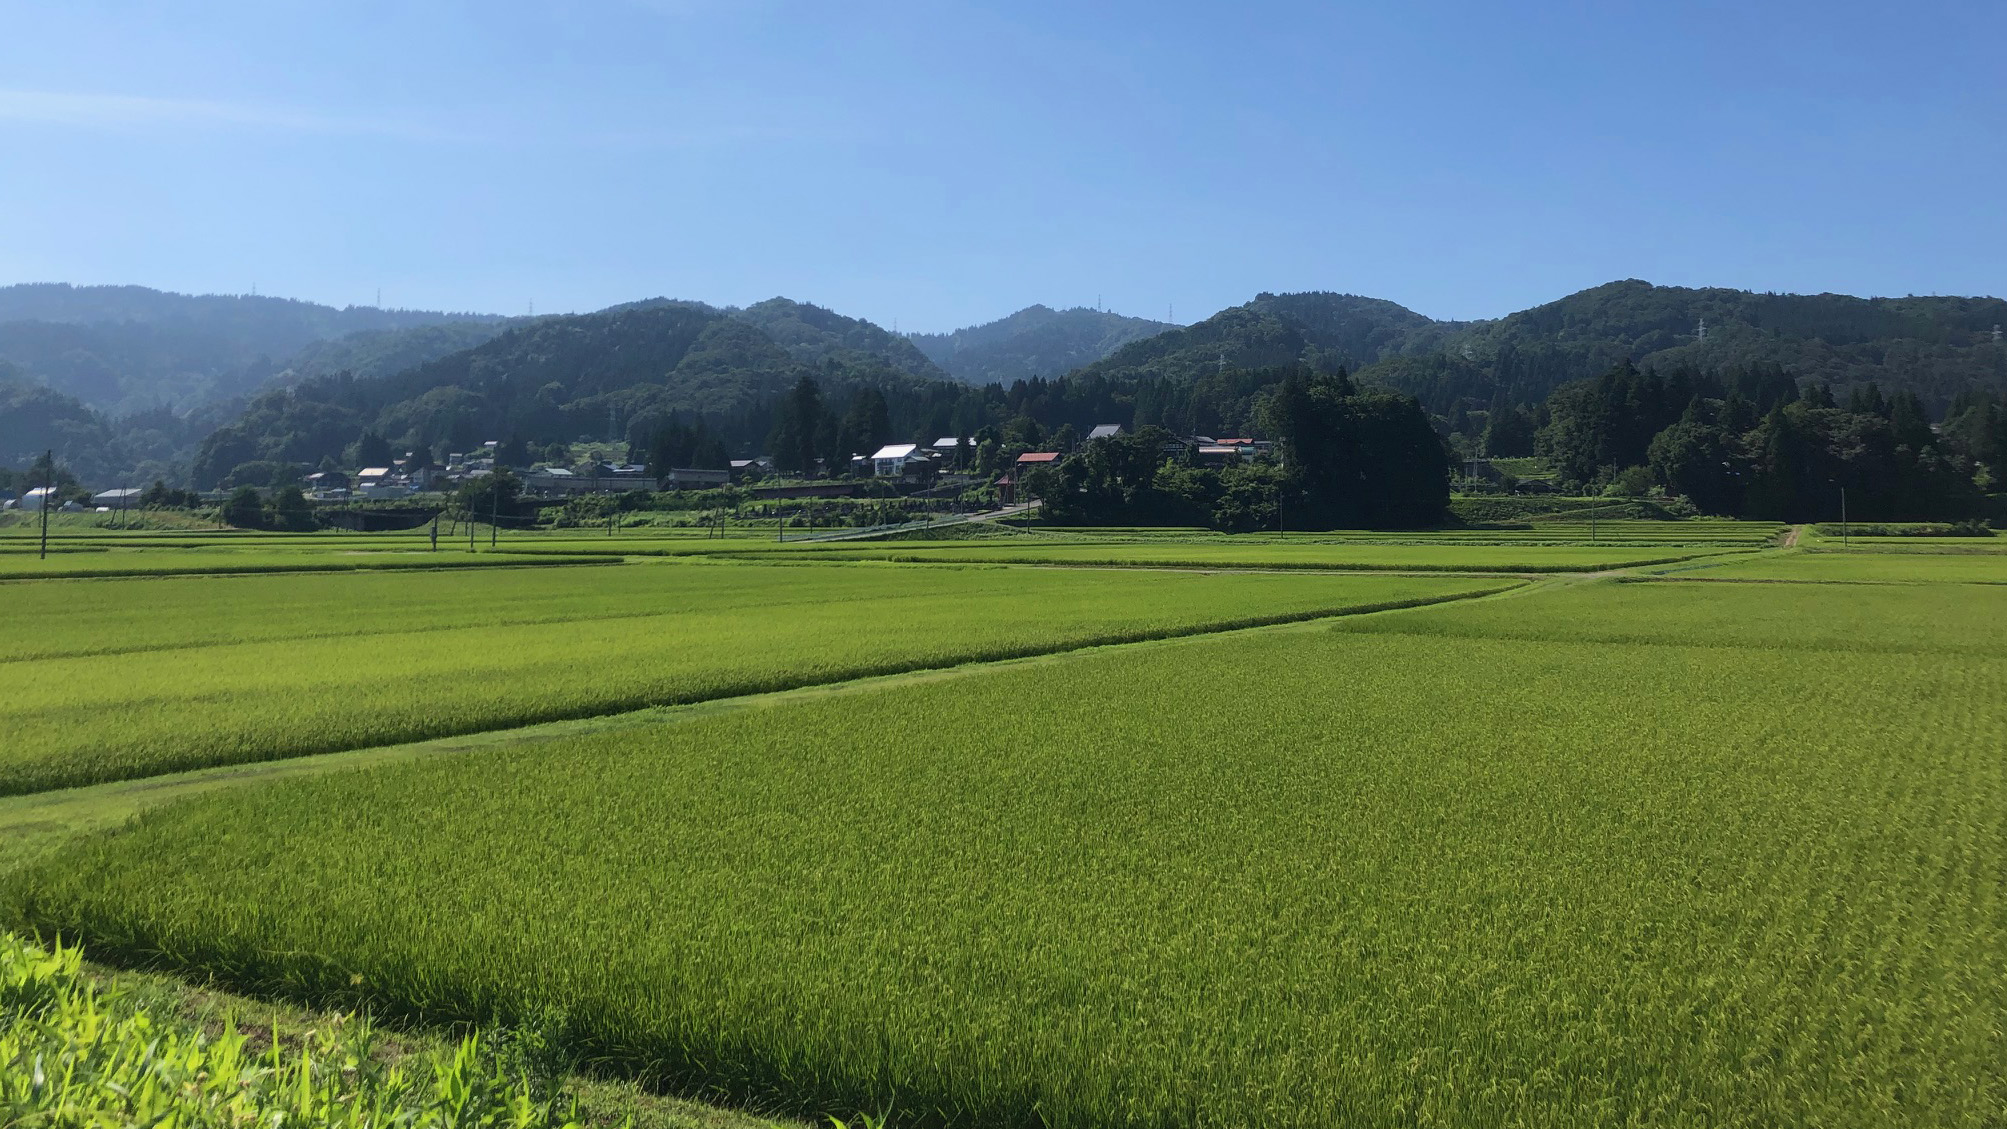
(1035, 341)
(812, 334)
(385, 352)
(620, 377)
(1357, 330)
(125, 349)
(1933, 346)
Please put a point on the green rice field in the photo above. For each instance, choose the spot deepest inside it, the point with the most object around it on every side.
(1337, 555)
(219, 679)
(1861, 565)
(1225, 840)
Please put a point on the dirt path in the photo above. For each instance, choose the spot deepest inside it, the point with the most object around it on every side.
(1790, 540)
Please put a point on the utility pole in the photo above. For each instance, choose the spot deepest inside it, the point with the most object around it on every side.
(494, 506)
(49, 481)
(470, 527)
(1846, 534)
(435, 533)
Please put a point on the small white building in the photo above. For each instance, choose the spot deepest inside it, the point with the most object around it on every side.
(122, 499)
(1104, 431)
(38, 497)
(890, 460)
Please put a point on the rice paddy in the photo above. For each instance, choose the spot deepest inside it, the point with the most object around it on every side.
(254, 668)
(1667, 848)
(1860, 565)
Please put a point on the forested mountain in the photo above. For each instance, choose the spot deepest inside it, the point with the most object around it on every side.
(1934, 346)
(622, 376)
(386, 352)
(1035, 341)
(124, 349)
(813, 334)
(132, 449)
(626, 374)
(1357, 330)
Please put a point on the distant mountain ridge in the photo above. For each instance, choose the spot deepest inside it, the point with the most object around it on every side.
(619, 372)
(1934, 346)
(126, 349)
(812, 333)
(1034, 341)
(618, 375)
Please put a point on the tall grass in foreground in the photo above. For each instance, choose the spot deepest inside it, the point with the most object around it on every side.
(73, 1056)
(1290, 879)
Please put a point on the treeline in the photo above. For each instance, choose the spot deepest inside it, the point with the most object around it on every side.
(1348, 458)
(1754, 444)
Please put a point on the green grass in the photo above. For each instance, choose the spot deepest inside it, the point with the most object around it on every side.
(1338, 555)
(99, 561)
(1949, 619)
(1868, 566)
(263, 668)
(1314, 877)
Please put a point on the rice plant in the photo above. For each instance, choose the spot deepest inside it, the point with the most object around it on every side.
(1302, 878)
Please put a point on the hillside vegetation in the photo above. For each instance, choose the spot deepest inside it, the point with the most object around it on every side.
(1035, 341)
(121, 349)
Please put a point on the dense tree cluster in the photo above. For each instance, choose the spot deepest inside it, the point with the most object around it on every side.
(1348, 458)
(1755, 446)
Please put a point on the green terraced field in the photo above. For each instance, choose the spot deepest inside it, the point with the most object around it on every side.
(1443, 557)
(222, 670)
(1306, 877)
(1941, 619)
(1861, 565)
(94, 561)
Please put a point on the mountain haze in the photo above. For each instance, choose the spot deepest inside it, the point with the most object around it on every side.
(123, 349)
(620, 374)
(616, 376)
(813, 334)
(1035, 341)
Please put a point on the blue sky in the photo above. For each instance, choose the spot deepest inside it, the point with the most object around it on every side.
(941, 164)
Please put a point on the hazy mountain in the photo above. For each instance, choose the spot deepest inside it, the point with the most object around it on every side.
(123, 349)
(1238, 338)
(1035, 341)
(384, 352)
(621, 374)
(615, 376)
(813, 334)
(1934, 346)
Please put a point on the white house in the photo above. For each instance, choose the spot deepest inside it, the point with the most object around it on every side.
(38, 497)
(890, 460)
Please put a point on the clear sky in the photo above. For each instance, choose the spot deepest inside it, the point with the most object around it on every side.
(941, 164)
